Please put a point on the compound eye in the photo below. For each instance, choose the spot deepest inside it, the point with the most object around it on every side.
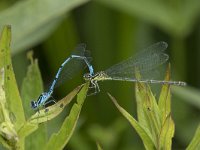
(33, 104)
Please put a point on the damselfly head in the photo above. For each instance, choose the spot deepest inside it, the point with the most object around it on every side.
(87, 76)
(33, 104)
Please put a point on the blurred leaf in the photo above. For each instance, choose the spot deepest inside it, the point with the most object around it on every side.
(195, 143)
(161, 13)
(148, 142)
(99, 146)
(109, 137)
(189, 94)
(61, 138)
(79, 141)
(34, 20)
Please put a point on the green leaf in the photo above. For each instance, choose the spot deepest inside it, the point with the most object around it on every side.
(148, 142)
(32, 87)
(60, 139)
(147, 110)
(164, 102)
(39, 137)
(27, 129)
(11, 110)
(195, 143)
(11, 90)
(167, 133)
(35, 21)
(52, 111)
(99, 146)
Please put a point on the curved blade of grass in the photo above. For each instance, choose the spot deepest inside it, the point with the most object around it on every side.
(36, 18)
(60, 139)
(52, 111)
(148, 142)
(11, 90)
(32, 124)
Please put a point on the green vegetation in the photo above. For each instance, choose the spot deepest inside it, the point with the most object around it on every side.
(113, 30)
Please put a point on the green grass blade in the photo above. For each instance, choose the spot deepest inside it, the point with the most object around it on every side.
(36, 18)
(148, 142)
(195, 143)
(60, 139)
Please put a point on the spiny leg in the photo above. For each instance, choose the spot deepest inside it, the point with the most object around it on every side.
(96, 87)
(93, 87)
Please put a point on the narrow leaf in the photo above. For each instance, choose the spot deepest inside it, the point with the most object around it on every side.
(148, 142)
(52, 111)
(164, 102)
(167, 133)
(32, 85)
(195, 143)
(60, 139)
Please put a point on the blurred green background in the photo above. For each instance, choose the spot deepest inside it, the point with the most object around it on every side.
(113, 30)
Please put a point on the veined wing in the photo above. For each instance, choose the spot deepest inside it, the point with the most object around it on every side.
(144, 61)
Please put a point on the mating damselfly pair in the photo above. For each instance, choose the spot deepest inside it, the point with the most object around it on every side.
(144, 61)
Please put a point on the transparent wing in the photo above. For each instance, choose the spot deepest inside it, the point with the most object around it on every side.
(144, 61)
(74, 66)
